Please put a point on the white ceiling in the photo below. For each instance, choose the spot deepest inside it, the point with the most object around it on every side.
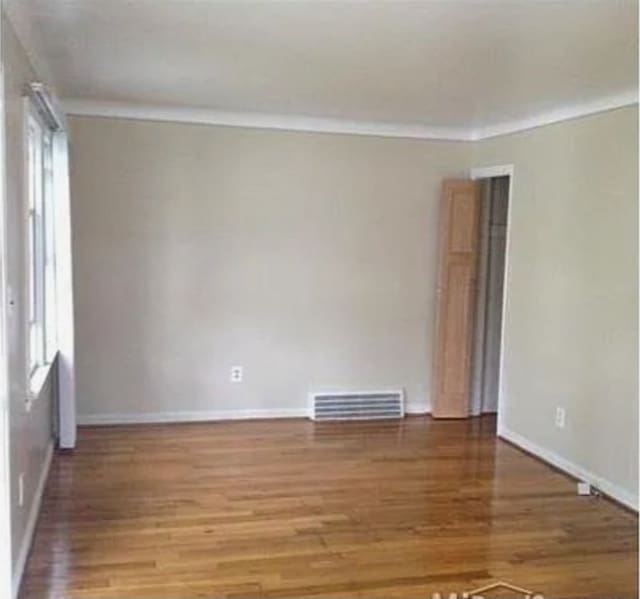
(449, 63)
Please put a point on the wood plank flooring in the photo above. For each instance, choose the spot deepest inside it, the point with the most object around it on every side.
(289, 508)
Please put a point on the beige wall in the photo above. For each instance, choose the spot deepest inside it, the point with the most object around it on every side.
(30, 432)
(309, 259)
(571, 320)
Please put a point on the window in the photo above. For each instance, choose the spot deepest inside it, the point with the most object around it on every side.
(41, 250)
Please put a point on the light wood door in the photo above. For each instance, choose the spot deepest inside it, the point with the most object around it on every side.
(459, 239)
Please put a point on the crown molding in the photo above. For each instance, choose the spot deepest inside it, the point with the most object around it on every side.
(557, 115)
(176, 114)
(80, 107)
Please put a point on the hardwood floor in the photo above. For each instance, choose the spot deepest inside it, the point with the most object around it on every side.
(288, 508)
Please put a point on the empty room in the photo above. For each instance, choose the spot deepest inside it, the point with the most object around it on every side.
(316, 298)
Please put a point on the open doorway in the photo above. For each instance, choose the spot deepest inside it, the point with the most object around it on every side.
(471, 294)
(487, 341)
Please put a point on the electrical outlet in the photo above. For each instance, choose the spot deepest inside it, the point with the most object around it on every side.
(21, 489)
(236, 374)
(584, 488)
(560, 417)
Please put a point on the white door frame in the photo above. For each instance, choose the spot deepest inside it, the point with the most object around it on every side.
(5, 478)
(487, 172)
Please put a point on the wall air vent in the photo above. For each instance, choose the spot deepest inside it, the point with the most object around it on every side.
(362, 405)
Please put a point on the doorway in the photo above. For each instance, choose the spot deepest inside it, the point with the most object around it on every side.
(471, 294)
(487, 340)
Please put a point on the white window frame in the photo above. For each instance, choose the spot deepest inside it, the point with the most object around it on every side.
(40, 250)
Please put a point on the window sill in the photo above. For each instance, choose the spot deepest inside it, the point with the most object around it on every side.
(39, 378)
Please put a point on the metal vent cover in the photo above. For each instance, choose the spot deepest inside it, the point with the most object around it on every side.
(357, 405)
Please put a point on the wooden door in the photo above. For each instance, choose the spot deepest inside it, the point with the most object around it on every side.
(455, 304)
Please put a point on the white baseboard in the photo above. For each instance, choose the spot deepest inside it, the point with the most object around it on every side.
(211, 415)
(607, 487)
(417, 408)
(34, 511)
(190, 416)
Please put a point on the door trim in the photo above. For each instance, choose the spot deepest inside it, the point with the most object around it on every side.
(487, 172)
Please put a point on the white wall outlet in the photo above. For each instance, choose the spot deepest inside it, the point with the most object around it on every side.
(560, 417)
(21, 489)
(236, 374)
(584, 488)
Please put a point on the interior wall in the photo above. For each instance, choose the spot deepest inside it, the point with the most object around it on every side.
(309, 259)
(30, 435)
(571, 320)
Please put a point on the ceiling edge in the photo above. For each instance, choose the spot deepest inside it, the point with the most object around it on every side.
(16, 13)
(557, 115)
(83, 107)
(80, 107)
